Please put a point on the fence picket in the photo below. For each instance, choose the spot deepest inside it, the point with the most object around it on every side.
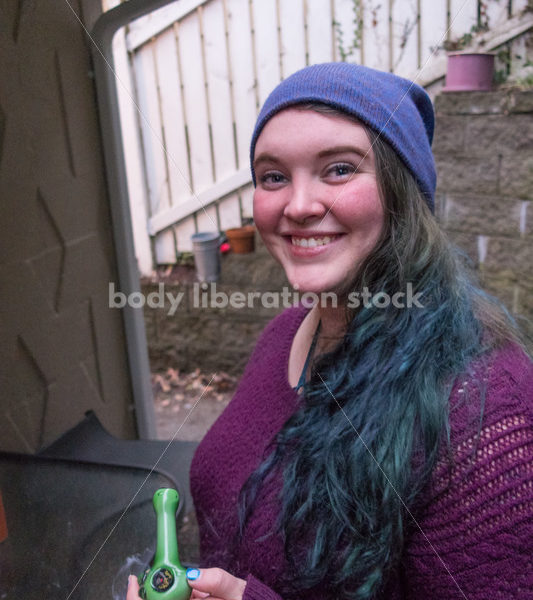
(154, 147)
(293, 46)
(518, 6)
(265, 35)
(247, 201)
(172, 115)
(345, 32)
(184, 231)
(207, 220)
(218, 90)
(230, 216)
(129, 120)
(405, 38)
(319, 27)
(150, 124)
(197, 123)
(496, 12)
(463, 16)
(433, 29)
(242, 72)
(375, 34)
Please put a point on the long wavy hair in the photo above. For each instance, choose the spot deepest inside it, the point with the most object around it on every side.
(360, 449)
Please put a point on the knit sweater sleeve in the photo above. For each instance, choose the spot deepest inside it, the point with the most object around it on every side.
(474, 539)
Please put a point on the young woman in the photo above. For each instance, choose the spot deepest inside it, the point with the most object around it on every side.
(380, 443)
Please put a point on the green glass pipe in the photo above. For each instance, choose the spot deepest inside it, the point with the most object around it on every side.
(165, 578)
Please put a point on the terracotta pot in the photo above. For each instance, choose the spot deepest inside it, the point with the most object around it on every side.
(469, 72)
(241, 239)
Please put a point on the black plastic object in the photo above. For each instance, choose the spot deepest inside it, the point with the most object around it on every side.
(89, 442)
(80, 513)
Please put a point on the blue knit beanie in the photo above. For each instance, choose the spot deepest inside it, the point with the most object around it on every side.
(398, 110)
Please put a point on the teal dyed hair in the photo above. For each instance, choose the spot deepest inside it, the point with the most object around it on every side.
(360, 449)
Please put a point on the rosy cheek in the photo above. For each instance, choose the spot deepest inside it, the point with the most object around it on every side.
(362, 204)
(266, 211)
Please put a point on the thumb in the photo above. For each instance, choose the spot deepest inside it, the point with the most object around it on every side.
(133, 588)
(216, 582)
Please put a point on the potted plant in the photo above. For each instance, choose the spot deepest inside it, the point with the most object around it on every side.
(241, 239)
(469, 67)
(469, 71)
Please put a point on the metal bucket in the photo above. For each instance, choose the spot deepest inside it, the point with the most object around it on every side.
(206, 252)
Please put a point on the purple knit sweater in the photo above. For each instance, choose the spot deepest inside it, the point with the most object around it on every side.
(475, 535)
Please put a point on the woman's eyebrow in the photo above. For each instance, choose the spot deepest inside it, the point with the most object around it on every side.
(265, 157)
(343, 150)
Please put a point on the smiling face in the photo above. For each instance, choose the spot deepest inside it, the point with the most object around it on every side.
(317, 204)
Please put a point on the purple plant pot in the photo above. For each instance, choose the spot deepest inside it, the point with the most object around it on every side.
(469, 72)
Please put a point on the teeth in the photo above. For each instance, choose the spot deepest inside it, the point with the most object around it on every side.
(311, 242)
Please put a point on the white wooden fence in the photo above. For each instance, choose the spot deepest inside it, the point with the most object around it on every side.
(193, 75)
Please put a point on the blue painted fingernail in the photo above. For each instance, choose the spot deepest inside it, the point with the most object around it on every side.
(192, 574)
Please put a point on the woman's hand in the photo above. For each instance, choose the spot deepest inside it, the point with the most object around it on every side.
(133, 588)
(216, 584)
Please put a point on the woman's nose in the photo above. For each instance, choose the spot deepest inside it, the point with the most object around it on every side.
(304, 202)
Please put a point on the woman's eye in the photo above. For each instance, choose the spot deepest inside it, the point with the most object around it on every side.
(340, 170)
(272, 179)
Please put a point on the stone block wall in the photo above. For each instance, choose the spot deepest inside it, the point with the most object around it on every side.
(204, 333)
(484, 152)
